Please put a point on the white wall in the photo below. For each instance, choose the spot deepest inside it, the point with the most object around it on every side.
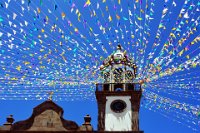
(118, 121)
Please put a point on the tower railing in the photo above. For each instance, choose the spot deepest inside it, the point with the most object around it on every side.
(118, 87)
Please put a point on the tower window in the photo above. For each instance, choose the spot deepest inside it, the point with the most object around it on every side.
(118, 106)
(119, 89)
(118, 75)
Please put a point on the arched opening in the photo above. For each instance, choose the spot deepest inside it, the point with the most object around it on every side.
(118, 87)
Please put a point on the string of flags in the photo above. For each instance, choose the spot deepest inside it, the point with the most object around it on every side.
(58, 46)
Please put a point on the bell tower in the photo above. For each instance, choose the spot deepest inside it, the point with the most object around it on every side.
(118, 97)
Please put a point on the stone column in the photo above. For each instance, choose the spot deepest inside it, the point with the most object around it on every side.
(135, 103)
(101, 100)
(135, 123)
(124, 80)
(111, 81)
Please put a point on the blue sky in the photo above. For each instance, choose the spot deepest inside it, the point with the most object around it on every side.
(58, 46)
(150, 121)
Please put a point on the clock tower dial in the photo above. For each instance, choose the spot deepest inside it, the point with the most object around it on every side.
(118, 97)
(118, 106)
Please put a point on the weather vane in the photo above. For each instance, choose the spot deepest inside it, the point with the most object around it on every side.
(50, 95)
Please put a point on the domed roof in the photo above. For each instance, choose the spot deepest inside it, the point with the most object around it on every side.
(118, 57)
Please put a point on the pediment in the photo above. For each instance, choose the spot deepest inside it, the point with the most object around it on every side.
(47, 116)
(49, 120)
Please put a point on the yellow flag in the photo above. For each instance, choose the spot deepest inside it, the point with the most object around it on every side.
(181, 52)
(110, 18)
(139, 18)
(18, 68)
(76, 30)
(88, 2)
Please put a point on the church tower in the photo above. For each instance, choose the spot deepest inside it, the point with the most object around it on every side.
(118, 97)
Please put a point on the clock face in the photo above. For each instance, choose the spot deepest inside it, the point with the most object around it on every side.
(129, 75)
(118, 106)
(118, 113)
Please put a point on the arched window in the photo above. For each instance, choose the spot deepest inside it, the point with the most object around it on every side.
(118, 76)
(119, 89)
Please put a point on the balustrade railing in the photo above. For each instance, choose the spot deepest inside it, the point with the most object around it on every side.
(118, 87)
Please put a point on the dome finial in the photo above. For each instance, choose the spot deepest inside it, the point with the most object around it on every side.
(119, 47)
(50, 95)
